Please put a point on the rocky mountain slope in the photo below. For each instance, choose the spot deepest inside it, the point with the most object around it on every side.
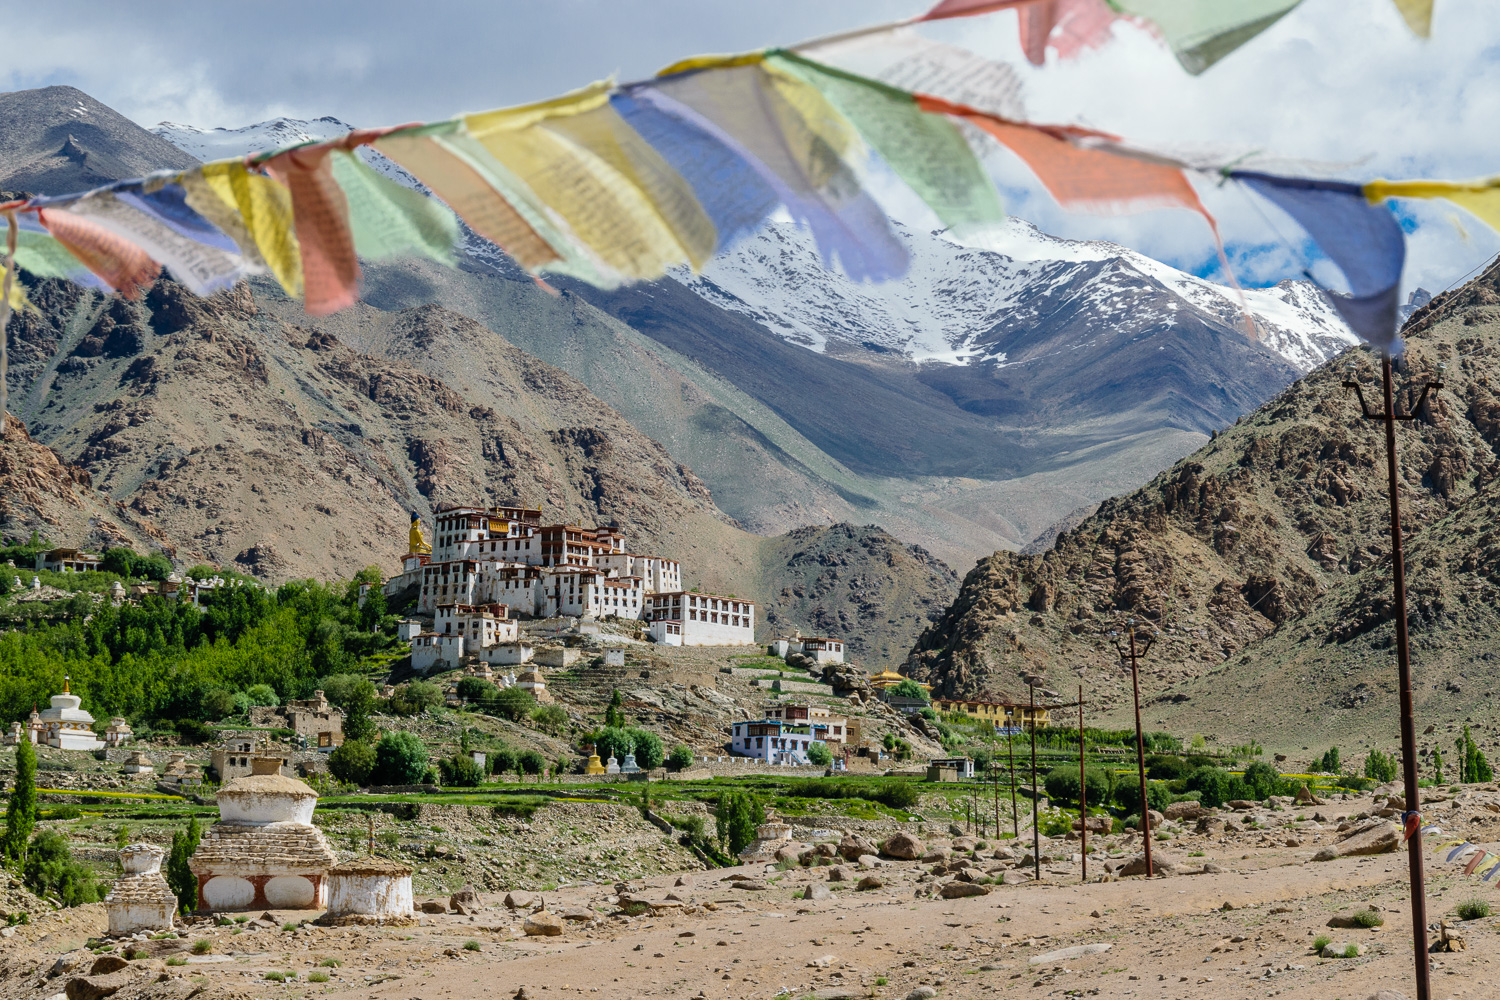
(1263, 559)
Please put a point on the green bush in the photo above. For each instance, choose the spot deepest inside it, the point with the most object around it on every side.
(416, 698)
(1353, 783)
(1473, 909)
(1329, 763)
(612, 741)
(400, 759)
(513, 703)
(471, 945)
(194, 732)
(1262, 780)
(649, 752)
(736, 817)
(1320, 942)
(819, 754)
(179, 872)
(262, 695)
(477, 690)
(899, 795)
(353, 762)
(1062, 784)
(202, 946)
(220, 703)
(550, 718)
(1215, 784)
(51, 871)
(1368, 919)
(317, 977)
(1380, 767)
(1166, 768)
(503, 760)
(532, 762)
(460, 771)
(681, 758)
(1128, 794)
(909, 688)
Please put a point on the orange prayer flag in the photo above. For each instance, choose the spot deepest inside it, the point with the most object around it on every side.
(320, 215)
(117, 262)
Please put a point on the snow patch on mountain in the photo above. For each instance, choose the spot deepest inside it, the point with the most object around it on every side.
(953, 295)
(230, 143)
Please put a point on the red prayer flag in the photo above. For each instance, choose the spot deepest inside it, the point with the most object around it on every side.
(117, 262)
(320, 214)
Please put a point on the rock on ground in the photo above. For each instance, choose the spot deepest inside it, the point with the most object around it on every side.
(543, 924)
(903, 846)
(1379, 838)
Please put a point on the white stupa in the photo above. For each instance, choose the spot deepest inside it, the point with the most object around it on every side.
(67, 726)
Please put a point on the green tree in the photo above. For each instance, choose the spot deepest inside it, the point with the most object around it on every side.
(119, 560)
(614, 715)
(476, 690)
(1128, 795)
(909, 688)
(1329, 763)
(735, 820)
(503, 760)
(511, 703)
(1437, 765)
(649, 752)
(1215, 785)
(681, 757)
(1062, 784)
(353, 762)
(416, 697)
(262, 696)
(1262, 780)
(1380, 766)
(400, 759)
(359, 704)
(550, 718)
(532, 762)
(49, 870)
(1472, 765)
(20, 812)
(819, 754)
(460, 771)
(179, 875)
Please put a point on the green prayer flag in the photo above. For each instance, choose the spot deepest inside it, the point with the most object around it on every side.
(926, 151)
(388, 219)
(1201, 32)
(44, 257)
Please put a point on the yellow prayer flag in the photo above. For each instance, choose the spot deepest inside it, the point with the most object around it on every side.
(1480, 197)
(1418, 16)
(265, 209)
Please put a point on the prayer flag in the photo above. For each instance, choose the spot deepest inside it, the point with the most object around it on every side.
(969, 8)
(1459, 851)
(1364, 241)
(161, 223)
(1477, 860)
(1201, 32)
(802, 148)
(1481, 197)
(320, 213)
(1417, 14)
(389, 219)
(926, 151)
(117, 262)
(264, 210)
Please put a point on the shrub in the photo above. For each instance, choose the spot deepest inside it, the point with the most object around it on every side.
(477, 690)
(735, 819)
(895, 794)
(416, 698)
(276, 977)
(550, 718)
(532, 762)
(909, 688)
(1128, 795)
(400, 759)
(1166, 768)
(177, 960)
(1062, 784)
(1368, 918)
(1473, 909)
(1320, 942)
(51, 871)
(353, 762)
(263, 695)
(20, 810)
(503, 761)
(202, 946)
(137, 955)
(219, 703)
(1380, 767)
(1261, 780)
(612, 741)
(1215, 784)
(179, 872)
(330, 963)
(511, 703)
(1353, 783)
(317, 977)
(1329, 763)
(460, 771)
(681, 757)
(819, 754)
(194, 732)
(471, 946)
(649, 752)
(289, 926)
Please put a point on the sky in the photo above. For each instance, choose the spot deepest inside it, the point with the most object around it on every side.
(1340, 83)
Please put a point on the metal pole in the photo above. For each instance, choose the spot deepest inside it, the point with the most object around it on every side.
(1036, 830)
(1015, 817)
(1083, 797)
(1408, 724)
(995, 773)
(1140, 751)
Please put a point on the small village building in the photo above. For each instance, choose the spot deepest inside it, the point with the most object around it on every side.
(434, 651)
(962, 767)
(315, 719)
(264, 852)
(533, 681)
(118, 732)
(176, 768)
(68, 561)
(825, 726)
(480, 624)
(506, 654)
(823, 650)
(408, 629)
(691, 619)
(14, 735)
(66, 725)
(235, 759)
(369, 890)
(1002, 714)
(772, 740)
(138, 763)
(140, 899)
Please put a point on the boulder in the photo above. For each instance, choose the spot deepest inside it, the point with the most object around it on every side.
(868, 861)
(432, 906)
(903, 846)
(787, 853)
(69, 963)
(105, 964)
(1099, 824)
(852, 846)
(1161, 864)
(752, 884)
(1240, 804)
(972, 875)
(958, 890)
(937, 854)
(1341, 949)
(963, 845)
(869, 882)
(466, 901)
(1015, 878)
(1184, 810)
(954, 830)
(817, 891)
(543, 924)
(840, 873)
(1380, 837)
(519, 900)
(1211, 825)
(96, 987)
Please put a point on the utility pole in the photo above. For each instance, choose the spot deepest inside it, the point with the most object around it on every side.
(1015, 817)
(1083, 796)
(1036, 831)
(1133, 653)
(1412, 822)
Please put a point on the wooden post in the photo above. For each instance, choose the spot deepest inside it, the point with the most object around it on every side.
(1036, 830)
(1083, 796)
(1015, 819)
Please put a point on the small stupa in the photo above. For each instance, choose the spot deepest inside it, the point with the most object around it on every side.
(66, 725)
(264, 852)
(369, 890)
(594, 766)
(630, 766)
(613, 767)
(140, 899)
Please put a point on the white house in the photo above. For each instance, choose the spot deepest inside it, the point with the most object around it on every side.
(482, 624)
(771, 740)
(67, 561)
(434, 651)
(448, 582)
(689, 619)
(507, 654)
(823, 650)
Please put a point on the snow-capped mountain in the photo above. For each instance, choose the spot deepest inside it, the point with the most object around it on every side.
(959, 304)
(226, 143)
